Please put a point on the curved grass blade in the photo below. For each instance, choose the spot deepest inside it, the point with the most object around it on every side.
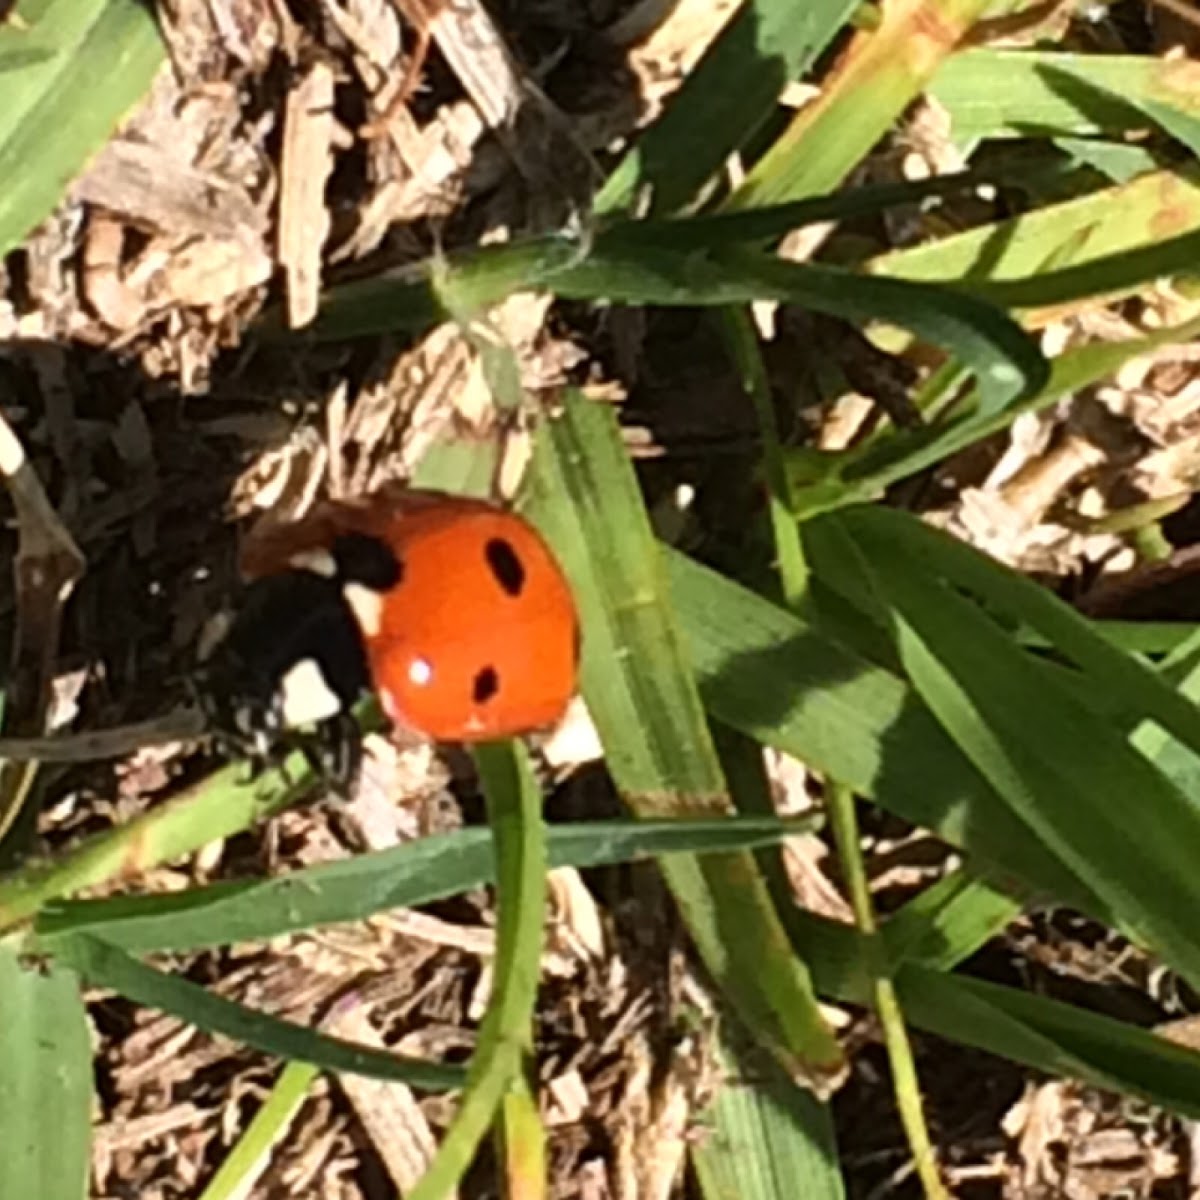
(1069, 252)
(108, 966)
(1130, 682)
(45, 1082)
(898, 454)
(110, 47)
(1044, 1034)
(1050, 1036)
(419, 872)
(506, 1032)
(641, 695)
(1005, 360)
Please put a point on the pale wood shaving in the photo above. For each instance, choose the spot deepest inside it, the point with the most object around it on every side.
(388, 1112)
(305, 167)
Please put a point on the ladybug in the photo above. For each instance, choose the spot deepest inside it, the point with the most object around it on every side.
(452, 610)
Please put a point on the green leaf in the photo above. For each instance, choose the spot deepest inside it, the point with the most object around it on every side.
(506, 1032)
(639, 690)
(1046, 1035)
(1061, 769)
(765, 1138)
(619, 267)
(49, 51)
(45, 1082)
(883, 70)
(898, 454)
(730, 92)
(108, 966)
(1024, 93)
(793, 686)
(246, 1161)
(1070, 251)
(418, 872)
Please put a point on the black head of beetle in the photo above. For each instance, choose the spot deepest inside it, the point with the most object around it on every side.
(287, 673)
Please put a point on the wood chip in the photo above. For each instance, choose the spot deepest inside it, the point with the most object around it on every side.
(389, 1113)
(151, 188)
(305, 168)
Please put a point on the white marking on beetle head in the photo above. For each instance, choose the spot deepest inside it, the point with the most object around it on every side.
(420, 672)
(305, 697)
(367, 606)
(314, 559)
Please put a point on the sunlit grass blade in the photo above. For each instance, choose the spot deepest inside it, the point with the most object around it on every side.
(881, 73)
(948, 921)
(522, 1144)
(419, 872)
(224, 804)
(108, 966)
(793, 686)
(505, 1034)
(49, 51)
(723, 100)
(765, 1139)
(640, 691)
(248, 1158)
(1061, 769)
(1068, 252)
(1021, 93)
(45, 1082)
(933, 554)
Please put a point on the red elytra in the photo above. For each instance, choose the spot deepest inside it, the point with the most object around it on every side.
(476, 638)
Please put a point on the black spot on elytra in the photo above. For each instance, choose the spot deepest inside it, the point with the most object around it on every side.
(368, 560)
(506, 565)
(486, 685)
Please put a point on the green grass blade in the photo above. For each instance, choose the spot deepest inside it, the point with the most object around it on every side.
(1130, 683)
(765, 1139)
(1046, 1035)
(639, 688)
(881, 73)
(224, 804)
(418, 872)
(109, 966)
(1050, 1036)
(49, 50)
(790, 685)
(899, 454)
(249, 1157)
(1062, 770)
(1005, 360)
(1066, 252)
(1024, 93)
(723, 100)
(948, 921)
(627, 271)
(505, 1034)
(45, 1082)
